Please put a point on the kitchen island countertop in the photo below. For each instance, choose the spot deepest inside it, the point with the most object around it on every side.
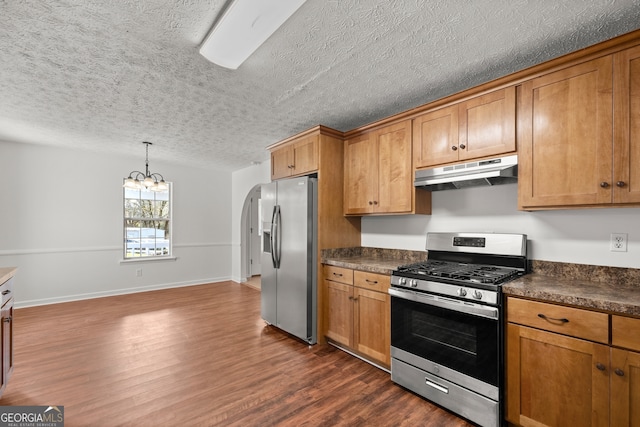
(7, 273)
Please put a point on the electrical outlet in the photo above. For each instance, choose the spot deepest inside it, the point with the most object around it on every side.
(139, 272)
(618, 242)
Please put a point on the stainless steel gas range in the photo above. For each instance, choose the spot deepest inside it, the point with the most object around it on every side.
(447, 325)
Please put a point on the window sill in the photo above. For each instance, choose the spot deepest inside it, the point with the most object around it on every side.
(147, 259)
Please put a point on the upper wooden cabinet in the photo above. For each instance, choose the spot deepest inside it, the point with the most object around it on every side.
(478, 127)
(579, 135)
(298, 157)
(378, 175)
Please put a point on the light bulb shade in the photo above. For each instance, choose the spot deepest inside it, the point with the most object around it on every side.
(163, 186)
(131, 183)
(148, 181)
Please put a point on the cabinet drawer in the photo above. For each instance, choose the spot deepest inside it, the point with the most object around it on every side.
(625, 332)
(575, 322)
(338, 274)
(6, 291)
(373, 281)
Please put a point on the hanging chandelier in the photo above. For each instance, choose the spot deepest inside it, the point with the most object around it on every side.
(146, 180)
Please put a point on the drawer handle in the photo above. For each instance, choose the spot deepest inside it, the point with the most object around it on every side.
(6, 292)
(375, 282)
(553, 319)
(337, 274)
(619, 372)
(437, 386)
(600, 366)
(7, 319)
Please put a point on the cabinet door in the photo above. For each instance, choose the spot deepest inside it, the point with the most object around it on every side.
(360, 174)
(305, 156)
(395, 174)
(625, 388)
(435, 137)
(554, 380)
(338, 300)
(487, 125)
(372, 326)
(281, 163)
(7, 343)
(626, 149)
(565, 137)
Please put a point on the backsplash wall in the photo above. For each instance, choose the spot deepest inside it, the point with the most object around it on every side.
(577, 236)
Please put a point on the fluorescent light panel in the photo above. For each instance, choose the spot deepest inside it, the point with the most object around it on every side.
(245, 25)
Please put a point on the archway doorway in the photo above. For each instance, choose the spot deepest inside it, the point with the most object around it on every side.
(251, 238)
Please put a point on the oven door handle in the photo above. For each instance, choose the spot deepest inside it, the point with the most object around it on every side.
(449, 304)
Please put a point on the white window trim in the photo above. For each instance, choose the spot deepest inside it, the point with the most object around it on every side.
(157, 257)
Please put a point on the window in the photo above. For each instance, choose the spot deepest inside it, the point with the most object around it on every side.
(147, 223)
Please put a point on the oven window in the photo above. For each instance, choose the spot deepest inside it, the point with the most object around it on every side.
(458, 336)
(463, 342)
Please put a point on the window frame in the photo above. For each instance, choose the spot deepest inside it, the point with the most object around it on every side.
(169, 219)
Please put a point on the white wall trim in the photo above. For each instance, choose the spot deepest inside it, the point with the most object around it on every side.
(79, 297)
(42, 251)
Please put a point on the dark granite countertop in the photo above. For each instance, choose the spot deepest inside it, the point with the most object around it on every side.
(374, 260)
(606, 296)
(610, 289)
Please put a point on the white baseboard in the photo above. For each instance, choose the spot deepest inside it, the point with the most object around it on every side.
(79, 297)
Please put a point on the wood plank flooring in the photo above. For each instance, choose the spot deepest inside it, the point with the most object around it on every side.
(196, 356)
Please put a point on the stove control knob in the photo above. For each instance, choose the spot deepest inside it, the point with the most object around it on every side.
(477, 294)
(403, 281)
(462, 292)
(414, 283)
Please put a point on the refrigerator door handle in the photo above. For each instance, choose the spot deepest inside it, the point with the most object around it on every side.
(277, 236)
(272, 237)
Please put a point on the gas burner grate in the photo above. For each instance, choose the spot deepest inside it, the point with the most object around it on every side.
(472, 273)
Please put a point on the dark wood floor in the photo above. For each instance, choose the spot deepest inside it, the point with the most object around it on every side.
(195, 356)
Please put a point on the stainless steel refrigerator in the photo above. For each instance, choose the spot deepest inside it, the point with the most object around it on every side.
(289, 234)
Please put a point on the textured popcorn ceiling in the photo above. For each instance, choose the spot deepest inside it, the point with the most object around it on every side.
(107, 75)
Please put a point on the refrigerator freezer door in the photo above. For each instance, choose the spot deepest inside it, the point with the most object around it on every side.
(296, 302)
(268, 280)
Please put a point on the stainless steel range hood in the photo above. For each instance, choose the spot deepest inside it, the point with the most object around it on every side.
(501, 170)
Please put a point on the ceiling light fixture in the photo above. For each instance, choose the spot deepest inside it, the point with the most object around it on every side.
(243, 27)
(146, 180)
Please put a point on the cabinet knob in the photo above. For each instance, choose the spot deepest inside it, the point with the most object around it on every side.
(619, 372)
(454, 148)
(604, 184)
(621, 184)
(600, 366)
(375, 202)
(370, 202)
(462, 146)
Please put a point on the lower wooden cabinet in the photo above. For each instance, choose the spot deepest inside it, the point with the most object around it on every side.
(555, 379)
(6, 317)
(357, 312)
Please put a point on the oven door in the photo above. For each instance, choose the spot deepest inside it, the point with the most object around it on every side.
(439, 333)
